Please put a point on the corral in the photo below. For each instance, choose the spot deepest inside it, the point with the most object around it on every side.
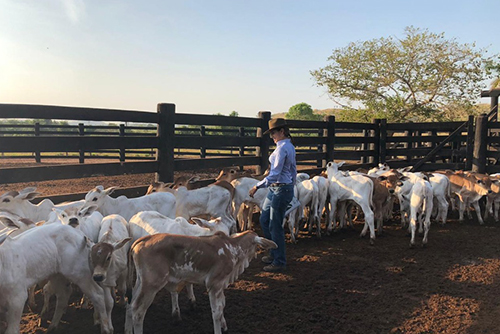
(338, 284)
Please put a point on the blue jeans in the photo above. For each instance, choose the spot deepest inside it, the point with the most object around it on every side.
(271, 220)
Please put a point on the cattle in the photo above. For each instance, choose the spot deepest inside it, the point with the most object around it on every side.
(127, 207)
(151, 222)
(38, 254)
(307, 193)
(468, 189)
(356, 187)
(323, 185)
(493, 198)
(214, 201)
(13, 224)
(416, 192)
(108, 258)
(242, 202)
(168, 260)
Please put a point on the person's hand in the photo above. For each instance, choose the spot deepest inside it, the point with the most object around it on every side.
(252, 191)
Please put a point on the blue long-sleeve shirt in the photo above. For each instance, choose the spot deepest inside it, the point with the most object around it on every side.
(283, 165)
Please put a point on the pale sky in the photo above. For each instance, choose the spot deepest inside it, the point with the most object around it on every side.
(205, 56)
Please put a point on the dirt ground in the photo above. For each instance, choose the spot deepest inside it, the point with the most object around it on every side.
(336, 284)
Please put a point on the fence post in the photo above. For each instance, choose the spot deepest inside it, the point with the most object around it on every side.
(408, 144)
(319, 162)
(166, 142)
(329, 133)
(383, 140)
(38, 158)
(203, 150)
(469, 155)
(241, 153)
(122, 149)
(480, 144)
(262, 151)
(375, 159)
(364, 147)
(81, 152)
(433, 144)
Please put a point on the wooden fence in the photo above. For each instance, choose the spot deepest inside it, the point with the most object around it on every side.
(193, 142)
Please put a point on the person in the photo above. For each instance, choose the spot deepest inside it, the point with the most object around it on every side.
(280, 181)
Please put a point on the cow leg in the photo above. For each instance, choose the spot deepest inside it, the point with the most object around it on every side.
(96, 295)
(176, 311)
(141, 301)
(217, 302)
(475, 204)
(413, 228)
(62, 290)
(443, 210)
(31, 297)
(461, 210)
(331, 216)
(15, 311)
(191, 296)
(369, 221)
(427, 226)
(497, 209)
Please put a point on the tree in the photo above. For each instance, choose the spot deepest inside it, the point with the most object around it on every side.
(415, 78)
(302, 111)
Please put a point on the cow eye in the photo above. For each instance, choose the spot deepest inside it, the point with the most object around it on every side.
(6, 200)
(94, 199)
(232, 172)
(63, 215)
(108, 259)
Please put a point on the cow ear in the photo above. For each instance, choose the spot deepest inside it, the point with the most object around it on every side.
(403, 178)
(121, 243)
(201, 222)
(28, 196)
(40, 223)
(340, 164)
(88, 242)
(382, 178)
(8, 222)
(5, 236)
(87, 210)
(110, 190)
(60, 213)
(265, 243)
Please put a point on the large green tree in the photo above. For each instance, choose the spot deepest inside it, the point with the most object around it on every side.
(302, 111)
(419, 77)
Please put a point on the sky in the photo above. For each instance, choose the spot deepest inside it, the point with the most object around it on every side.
(204, 56)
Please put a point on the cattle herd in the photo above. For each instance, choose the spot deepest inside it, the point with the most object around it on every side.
(125, 250)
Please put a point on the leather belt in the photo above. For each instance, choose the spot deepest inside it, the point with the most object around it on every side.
(278, 184)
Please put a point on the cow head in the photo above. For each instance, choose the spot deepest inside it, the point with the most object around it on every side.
(213, 225)
(101, 255)
(392, 180)
(228, 174)
(12, 200)
(98, 195)
(158, 187)
(73, 216)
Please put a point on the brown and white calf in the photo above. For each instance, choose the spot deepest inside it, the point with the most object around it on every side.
(169, 260)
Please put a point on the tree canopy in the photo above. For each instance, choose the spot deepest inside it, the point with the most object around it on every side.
(302, 111)
(422, 77)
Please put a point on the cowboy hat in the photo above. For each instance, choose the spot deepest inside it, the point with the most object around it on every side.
(276, 123)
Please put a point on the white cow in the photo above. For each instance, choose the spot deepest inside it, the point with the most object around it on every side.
(38, 254)
(127, 207)
(418, 193)
(356, 187)
(19, 203)
(151, 222)
(108, 259)
(213, 201)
